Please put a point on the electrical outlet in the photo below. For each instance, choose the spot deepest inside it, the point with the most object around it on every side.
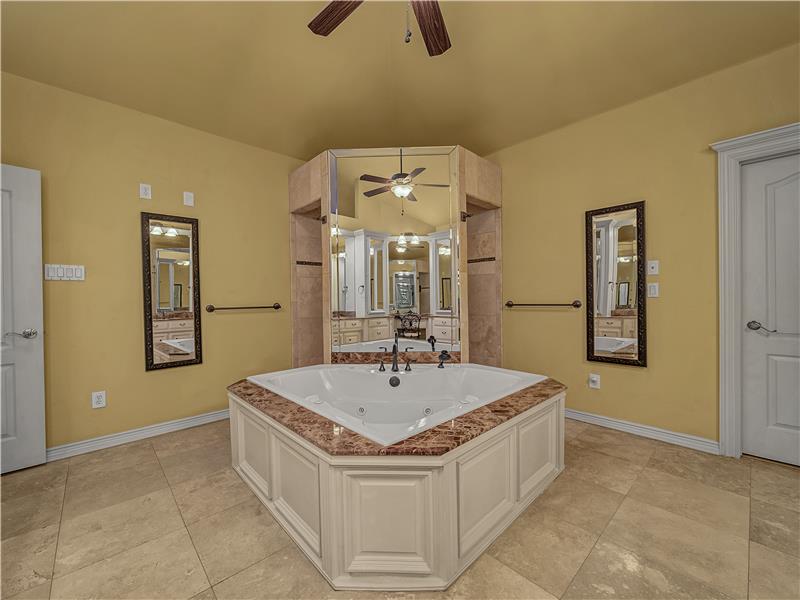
(188, 198)
(652, 290)
(99, 399)
(145, 191)
(652, 267)
(594, 381)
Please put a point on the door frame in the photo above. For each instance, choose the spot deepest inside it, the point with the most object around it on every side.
(732, 154)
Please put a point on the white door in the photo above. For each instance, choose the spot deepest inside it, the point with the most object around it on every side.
(771, 309)
(22, 433)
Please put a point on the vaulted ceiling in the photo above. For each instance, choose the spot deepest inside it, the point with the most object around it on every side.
(253, 72)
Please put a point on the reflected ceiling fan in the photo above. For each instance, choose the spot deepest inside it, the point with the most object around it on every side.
(400, 184)
(429, 16)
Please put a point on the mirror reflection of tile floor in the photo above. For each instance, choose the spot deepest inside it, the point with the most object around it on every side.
(629, 517)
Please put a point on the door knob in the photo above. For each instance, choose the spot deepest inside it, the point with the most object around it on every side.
(755, 326)
(28, 334)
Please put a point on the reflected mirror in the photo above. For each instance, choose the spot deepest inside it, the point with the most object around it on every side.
(393, 233)
(615, 285)
(171, 291)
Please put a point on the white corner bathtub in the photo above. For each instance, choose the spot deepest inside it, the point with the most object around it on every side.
(614, 344)
(360, 398)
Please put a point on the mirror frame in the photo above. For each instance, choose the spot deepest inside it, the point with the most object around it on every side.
(147, 285)
(641, 285)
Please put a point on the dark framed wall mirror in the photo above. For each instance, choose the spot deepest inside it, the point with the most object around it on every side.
(616, 324)
(171, 283)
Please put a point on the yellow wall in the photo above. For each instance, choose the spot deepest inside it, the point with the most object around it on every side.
(92, 156)
(657, 150)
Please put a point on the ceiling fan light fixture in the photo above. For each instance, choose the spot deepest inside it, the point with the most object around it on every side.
(402, 190)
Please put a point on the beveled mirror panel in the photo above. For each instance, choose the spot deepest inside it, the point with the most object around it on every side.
(393, 234)
(171, 282)
(616, 285)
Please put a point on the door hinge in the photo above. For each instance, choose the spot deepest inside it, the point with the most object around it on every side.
(465, 216)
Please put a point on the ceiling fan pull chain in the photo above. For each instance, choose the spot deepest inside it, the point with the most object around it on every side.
(408, 24)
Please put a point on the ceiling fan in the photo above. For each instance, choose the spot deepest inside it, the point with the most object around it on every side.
(400, 184)
(429, 16)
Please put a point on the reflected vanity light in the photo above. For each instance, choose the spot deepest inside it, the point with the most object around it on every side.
(444, 250)
(334, 231)
(156, 230)
(372, 251)
(415, 239)
(401, 249)
(171, 232)
(401, 240)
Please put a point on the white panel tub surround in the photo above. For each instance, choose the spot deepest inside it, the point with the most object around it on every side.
(409, 516)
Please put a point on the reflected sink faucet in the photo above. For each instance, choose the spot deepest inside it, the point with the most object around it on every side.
(395, 368)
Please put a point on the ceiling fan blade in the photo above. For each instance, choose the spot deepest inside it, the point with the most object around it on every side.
(375, 179)
(439, 185)
(431, 26)
(415, 172)
(411, 197)
(376, 191)
(330, 17)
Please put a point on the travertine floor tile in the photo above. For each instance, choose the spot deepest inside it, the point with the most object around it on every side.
(682, 545)
(545, 550)
(572, 428)
(726, 473)
(611, 571)
(34, 480)
(613, 473)
(30, 512)
(618, 444)
(205, 595)
(287, 574)
(776, 485)
(94, 490)
(489, 578)
(93, 536)
(773, 575)
(110, 459)
(39, 592)
(167, 567)
(775, 527)
(194, 438)
(27, 559)
(191, 464)
(204, 496)
(236, 538)
(713, 506)
(578, 501)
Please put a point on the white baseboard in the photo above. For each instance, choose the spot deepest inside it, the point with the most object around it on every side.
(132, 435)
(663, 435)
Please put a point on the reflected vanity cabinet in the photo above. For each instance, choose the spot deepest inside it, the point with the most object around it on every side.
(459, 313)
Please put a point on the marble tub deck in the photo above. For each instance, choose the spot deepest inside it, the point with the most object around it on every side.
(339, 441)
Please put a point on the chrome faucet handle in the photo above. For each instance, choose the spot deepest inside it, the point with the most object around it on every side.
(408, 364)
(384, 348)
(443, 356)
(381, 367)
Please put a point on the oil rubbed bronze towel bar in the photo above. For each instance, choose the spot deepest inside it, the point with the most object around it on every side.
(212, 308)
(573, 304)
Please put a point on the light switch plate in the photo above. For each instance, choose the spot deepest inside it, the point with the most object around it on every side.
(594, 381)
(64, 272)
(652, 267)
(652, 290)
(145, 191)
(188, 198)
